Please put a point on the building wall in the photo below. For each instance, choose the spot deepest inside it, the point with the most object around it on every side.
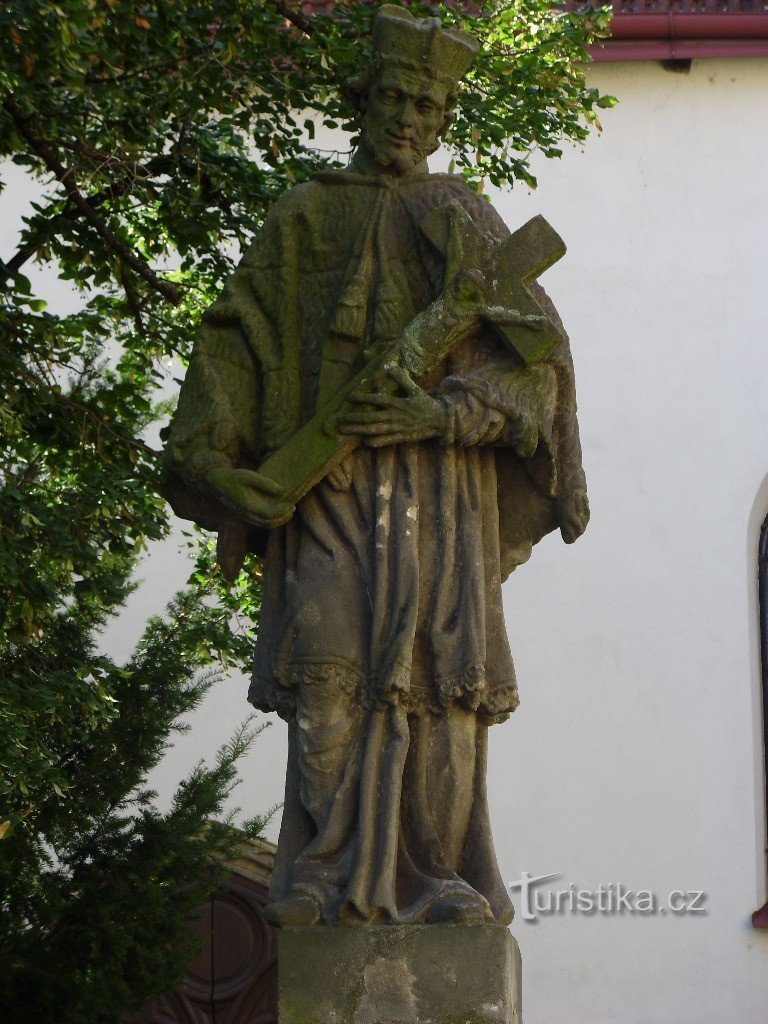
(635, 757)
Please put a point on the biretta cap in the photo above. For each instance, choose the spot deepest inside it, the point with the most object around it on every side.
(423, 43)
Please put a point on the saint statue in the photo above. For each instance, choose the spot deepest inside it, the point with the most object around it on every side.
(383, 347)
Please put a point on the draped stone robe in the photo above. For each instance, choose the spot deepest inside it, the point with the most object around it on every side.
(381, 639)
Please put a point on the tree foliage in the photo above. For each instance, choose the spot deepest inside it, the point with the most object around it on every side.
(98, 885)
(160, 132)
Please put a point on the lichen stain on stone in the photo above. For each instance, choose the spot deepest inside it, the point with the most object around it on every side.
(387, 993)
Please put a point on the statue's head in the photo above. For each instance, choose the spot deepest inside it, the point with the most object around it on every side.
(407, 92)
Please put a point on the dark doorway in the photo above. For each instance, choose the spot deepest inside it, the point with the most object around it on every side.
(234, 980)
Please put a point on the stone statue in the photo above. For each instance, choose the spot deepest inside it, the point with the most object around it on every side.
(381, 403)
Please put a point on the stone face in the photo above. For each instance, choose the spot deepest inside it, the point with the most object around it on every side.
(439, 974)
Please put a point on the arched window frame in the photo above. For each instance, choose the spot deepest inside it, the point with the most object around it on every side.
(760, 917)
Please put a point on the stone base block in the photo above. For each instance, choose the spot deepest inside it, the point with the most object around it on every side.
(417, 974)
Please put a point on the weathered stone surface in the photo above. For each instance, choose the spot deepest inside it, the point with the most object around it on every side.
(439, 974)
(381, 403)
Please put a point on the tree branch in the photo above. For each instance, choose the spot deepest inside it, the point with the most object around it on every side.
(129, 442)
(294, 16)
(132, 301)
(66, 176)
(84, 410)
(144, 173)
(19, 258)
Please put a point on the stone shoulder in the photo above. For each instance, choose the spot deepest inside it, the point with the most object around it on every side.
(478, 207)
(440, 189)
(290, 204)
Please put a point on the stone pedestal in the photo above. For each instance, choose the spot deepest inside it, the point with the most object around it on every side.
(418, 974)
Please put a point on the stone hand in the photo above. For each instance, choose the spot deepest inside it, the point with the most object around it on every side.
(250, 495)
(573, 514)
(395, 419)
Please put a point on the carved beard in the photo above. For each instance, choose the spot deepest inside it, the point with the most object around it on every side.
(401, 160)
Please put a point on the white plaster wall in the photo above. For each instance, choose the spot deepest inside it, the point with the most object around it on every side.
(635, 756)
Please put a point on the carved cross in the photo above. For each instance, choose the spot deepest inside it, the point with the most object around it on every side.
(506, 268)
(485, 279)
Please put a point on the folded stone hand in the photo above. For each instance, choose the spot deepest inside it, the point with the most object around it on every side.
(252, 496)
(383, 419)
(573, 514)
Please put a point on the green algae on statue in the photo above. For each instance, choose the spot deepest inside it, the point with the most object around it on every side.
(382, 404)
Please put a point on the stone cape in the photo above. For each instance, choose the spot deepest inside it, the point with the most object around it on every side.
(381, 637)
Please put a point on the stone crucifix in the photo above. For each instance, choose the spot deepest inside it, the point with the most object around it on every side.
(485, 280)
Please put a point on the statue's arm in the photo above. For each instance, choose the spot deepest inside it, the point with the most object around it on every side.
(573, 508)
(500, 403)
(215, 423)
(531, 409)
(572, 501)
(212, 442)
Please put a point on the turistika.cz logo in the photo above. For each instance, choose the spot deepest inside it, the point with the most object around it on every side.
(537, 900)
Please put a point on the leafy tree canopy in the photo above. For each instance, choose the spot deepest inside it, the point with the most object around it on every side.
(160, 132)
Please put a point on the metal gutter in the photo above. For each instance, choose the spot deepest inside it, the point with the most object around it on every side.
(675, 35)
